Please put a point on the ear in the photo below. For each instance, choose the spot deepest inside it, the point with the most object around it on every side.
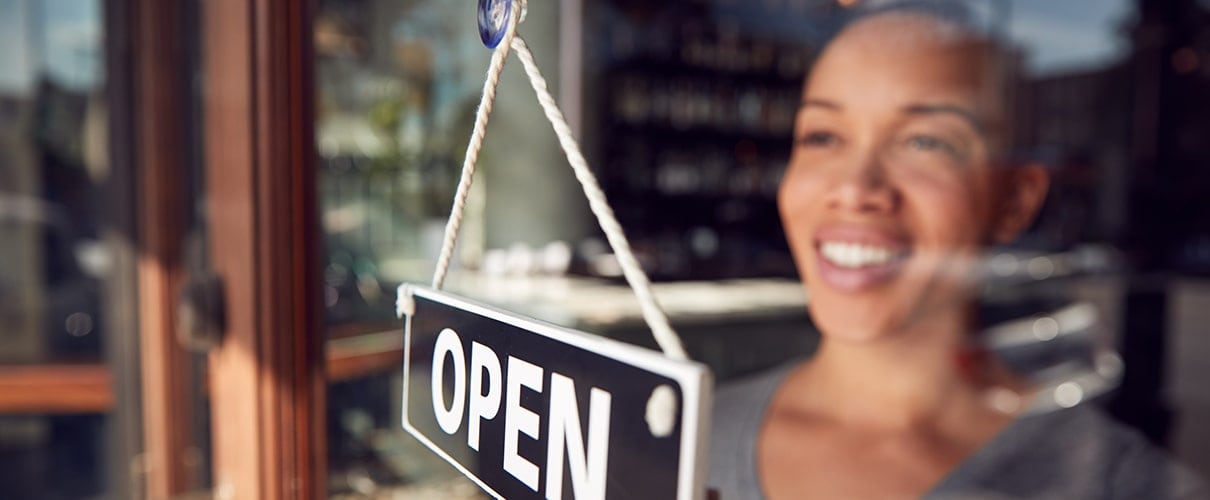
(1027, 188)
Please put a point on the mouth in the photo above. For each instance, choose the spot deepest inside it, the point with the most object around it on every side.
(850, 255)
(855, 259)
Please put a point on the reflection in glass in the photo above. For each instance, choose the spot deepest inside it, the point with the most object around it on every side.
(397, 88)
(692, 105)
(53, 162)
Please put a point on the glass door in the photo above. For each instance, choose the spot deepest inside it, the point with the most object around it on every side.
(63, 277)
(396, 90)
(97, 398)
(158, 325)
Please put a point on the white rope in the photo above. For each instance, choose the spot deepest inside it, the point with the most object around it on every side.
(653, 314)
(499, 56)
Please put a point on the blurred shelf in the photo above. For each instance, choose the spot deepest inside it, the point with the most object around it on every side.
(596, 305)
(367, 354)
(704, 135)
(88, 388)
(56, 388)
(592, 305)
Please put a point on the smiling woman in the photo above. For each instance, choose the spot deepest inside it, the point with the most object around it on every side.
(898, 174)
(899, 179)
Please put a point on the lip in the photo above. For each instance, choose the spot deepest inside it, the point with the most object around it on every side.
(860, 279)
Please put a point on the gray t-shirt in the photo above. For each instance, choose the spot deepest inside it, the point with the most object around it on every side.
(1078, 453)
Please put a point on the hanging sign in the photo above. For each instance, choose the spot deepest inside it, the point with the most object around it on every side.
(531, 410)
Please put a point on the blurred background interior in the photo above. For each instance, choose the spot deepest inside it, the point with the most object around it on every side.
(169, 171)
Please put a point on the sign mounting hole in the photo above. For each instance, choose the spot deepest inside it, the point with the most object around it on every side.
(661, 411)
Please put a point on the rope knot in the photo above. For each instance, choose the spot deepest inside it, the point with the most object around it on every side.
(405, 304)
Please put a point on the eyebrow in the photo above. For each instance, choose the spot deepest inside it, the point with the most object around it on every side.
(932, 109)
(819, 103)
(911, 109)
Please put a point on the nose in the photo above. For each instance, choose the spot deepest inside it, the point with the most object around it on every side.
(864, 187)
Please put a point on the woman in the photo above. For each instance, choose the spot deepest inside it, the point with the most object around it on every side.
(894, 188)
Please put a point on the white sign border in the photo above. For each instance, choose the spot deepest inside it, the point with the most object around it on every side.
(693, 378)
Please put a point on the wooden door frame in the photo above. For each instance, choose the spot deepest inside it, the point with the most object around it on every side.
(267, 376)
(161, 104)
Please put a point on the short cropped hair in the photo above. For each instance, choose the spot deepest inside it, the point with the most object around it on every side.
(966, 22)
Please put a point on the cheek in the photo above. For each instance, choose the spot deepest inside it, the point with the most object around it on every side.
(797, 198)
(951, 211)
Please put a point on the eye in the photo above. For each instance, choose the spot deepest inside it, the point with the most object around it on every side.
(930, 143)
(819, 139)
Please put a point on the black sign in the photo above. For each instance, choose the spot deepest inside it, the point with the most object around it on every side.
(531, 410)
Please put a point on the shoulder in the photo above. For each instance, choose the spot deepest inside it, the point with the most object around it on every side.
(739, 411)
(741, 399)
(1073, 453)
(1089, 443)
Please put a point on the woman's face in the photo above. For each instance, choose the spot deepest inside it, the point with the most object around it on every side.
(890, 191)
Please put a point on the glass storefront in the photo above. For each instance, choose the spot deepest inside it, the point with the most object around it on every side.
(55, 263)
(686, 111)
(394, 94)
(121, 333)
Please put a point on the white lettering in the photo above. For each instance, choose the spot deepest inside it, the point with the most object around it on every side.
(449, 418)
(587, 459)
(520, 419)
(587, 473)
(482, 406)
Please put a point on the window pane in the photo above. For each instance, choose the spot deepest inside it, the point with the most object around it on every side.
(693, 115)
(55, 261)
(54, 157)
(394, 102)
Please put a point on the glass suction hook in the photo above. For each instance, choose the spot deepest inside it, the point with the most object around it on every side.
(493, 21)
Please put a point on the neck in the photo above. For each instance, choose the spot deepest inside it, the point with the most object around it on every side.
(912, 378)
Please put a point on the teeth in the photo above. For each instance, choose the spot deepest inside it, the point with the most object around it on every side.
(855, 255)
